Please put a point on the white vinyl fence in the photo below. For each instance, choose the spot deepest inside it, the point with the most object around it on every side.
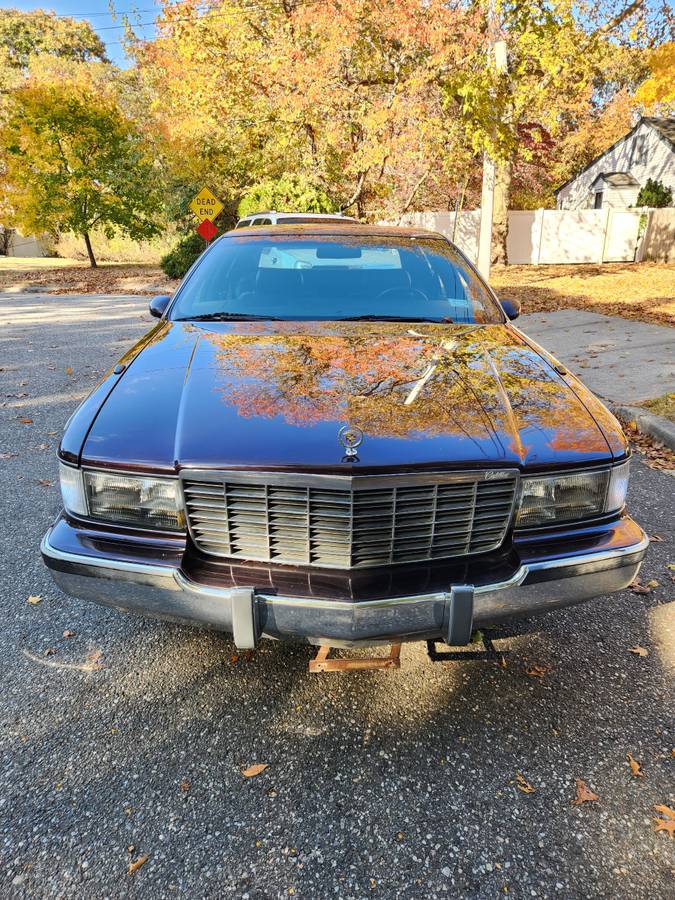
(541, 236)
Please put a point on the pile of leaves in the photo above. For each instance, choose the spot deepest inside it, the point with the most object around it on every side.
(655, 455)
(106, 279)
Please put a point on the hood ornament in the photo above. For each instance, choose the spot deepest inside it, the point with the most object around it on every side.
(351, 438)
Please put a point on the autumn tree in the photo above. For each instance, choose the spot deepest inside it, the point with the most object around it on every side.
(656, 93)
(74, 162)
(560, 57)
(292, 193)
(347, 93)
(27, 35)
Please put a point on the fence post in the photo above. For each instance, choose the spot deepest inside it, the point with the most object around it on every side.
(604, 236)
(539, 213)
(644, 237)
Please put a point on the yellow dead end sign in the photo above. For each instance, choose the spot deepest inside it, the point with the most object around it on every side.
(206, 205)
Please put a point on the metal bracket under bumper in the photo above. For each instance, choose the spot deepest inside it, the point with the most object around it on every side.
(459, 615)
(244, 618)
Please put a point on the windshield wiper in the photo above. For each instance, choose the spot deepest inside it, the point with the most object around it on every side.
(394, 319)
(228, 317)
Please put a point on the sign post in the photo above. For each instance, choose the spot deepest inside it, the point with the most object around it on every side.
(206, 207)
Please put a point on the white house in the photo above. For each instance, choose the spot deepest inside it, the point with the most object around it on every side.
(12, 243)
(614, 179)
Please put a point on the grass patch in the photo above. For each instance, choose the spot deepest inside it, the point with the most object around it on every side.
(35, 263)
(644, 291)
(117, 249)
(662, 406)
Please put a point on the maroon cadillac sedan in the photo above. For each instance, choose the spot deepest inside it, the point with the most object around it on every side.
(338, 435)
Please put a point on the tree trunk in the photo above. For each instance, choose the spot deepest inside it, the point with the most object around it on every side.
(90, 252)
(500, 215)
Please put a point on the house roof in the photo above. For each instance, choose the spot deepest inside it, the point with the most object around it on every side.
(665, 127)
(618, 179)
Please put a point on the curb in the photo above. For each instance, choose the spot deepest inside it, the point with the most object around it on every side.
(657, 427)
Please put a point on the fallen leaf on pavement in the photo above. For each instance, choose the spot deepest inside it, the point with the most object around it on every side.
(638, 651)
(665, 810)
(43, 482)
(584, 793)
(501, 662)
(667, 825)
(537, 671)
(185, 785)
(48, 651)
(670, 566)
(44, 447)
(137, 863)
(8, 455)
(34, 599)
(656, 538)
(68, 633)
(25, 421)
(69, 370)
(523, 784)
(635, 767)
(254, 770)
(638, 588)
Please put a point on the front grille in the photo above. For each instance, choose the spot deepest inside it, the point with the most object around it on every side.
(342, 522)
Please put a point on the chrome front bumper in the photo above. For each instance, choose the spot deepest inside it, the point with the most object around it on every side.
(163, 591)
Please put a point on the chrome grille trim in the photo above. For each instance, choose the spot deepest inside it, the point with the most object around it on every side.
(348, 522)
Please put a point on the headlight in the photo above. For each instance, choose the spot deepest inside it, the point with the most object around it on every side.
(144, 502)
(549, 499)
(126, 499)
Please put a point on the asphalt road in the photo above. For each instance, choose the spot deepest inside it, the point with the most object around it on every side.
(390, 784)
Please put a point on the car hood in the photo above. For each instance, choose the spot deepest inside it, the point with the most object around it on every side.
(276, 394)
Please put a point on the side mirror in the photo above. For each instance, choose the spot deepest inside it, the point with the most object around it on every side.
(510, 307)
(158, 305)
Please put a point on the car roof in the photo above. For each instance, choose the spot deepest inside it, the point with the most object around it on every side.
(333, 228)
(297, 215)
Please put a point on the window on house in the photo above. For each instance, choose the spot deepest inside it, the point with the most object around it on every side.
(640, 150)
(598, 200)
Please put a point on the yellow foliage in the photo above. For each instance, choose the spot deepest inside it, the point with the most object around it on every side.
(659, 89)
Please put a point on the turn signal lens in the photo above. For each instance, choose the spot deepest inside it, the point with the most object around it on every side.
(72, 490)
(618, 488)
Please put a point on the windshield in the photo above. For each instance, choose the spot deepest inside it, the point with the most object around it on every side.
(329, 277)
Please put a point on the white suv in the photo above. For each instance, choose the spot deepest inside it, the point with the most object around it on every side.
(288, 218)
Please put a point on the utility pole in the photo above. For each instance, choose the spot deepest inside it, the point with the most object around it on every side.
(497, 52)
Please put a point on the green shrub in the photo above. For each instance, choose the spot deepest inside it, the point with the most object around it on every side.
(654, 195)
(178, 260)
(290, 193)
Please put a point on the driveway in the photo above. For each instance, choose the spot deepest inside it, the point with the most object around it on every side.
(123, 738)
(622, 360)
